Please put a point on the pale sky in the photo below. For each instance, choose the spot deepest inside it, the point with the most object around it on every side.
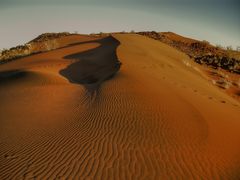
(216, 21)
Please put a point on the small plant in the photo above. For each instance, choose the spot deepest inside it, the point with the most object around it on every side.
(205, 42)
(229, 48)
(219, 46)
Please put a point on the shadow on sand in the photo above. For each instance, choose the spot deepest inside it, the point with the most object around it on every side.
(93, 66)
(11, 75)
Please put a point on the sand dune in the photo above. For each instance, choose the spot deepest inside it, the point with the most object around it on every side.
(73, 113)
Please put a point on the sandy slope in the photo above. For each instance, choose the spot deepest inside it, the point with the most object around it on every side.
(154, 118)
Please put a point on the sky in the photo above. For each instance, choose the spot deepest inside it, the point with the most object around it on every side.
(216, 21)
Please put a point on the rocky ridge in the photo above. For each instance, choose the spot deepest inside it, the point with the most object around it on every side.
(201, 52)
(43, 42)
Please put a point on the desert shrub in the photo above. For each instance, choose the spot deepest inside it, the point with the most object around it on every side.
(205, 42)
(51, 44)
(229, 48)
(218, 46)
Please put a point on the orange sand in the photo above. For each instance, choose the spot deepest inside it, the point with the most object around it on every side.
(72, 114)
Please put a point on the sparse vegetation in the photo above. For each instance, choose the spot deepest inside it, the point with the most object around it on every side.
(205, 42)
(13, 53)
(201, 51)
(49, 36)
(51, 44)
(229, 48)
(44, 42)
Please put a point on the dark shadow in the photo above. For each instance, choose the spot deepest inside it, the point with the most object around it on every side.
(93, 66)
(11, 75)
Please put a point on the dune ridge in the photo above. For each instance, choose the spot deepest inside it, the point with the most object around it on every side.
(155, 118)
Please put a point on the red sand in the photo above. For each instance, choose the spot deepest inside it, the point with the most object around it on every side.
(156, 118)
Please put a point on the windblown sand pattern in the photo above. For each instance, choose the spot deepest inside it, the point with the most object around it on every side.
(73, 113)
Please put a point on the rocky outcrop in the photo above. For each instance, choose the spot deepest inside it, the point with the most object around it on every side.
(49, 36)
(44, 42)
(201, 52)
(152, 34)
(215, 61)
(15, 52)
